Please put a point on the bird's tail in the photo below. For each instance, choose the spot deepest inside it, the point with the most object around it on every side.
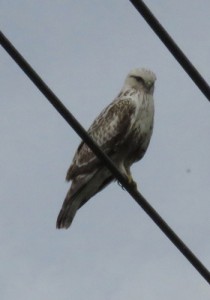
(82, 189)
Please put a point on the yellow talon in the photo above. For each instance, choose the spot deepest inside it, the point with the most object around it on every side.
(131, 181)
(130, 178)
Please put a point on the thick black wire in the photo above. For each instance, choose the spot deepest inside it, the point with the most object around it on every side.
(53, 99)
(172, 47)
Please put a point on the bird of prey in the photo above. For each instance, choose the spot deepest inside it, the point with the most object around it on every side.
(123, 131)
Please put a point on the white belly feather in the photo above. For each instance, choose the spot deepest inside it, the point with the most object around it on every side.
(144, 115)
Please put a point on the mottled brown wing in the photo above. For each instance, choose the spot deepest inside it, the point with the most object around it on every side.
(109, 131)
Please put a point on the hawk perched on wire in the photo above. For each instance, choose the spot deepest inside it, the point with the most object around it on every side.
(123, 131)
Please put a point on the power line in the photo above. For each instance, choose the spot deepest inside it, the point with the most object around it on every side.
(172, 47)
(54, 100)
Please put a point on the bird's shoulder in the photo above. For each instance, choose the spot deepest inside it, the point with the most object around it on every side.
(114, 112)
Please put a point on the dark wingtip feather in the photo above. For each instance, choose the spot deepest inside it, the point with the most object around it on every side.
(65, 218)
(61, 220)
(67, 212)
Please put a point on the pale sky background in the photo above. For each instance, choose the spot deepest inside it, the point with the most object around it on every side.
(84, 50)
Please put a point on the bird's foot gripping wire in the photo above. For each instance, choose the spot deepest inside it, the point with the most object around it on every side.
(130, 182)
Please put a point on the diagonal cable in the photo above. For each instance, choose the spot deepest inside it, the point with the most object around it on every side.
(172, 47)
(53, 99)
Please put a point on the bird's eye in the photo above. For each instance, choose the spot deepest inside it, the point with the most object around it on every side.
(149, 84)
(139, 79)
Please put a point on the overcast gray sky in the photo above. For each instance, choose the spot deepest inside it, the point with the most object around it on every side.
(84, 50)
